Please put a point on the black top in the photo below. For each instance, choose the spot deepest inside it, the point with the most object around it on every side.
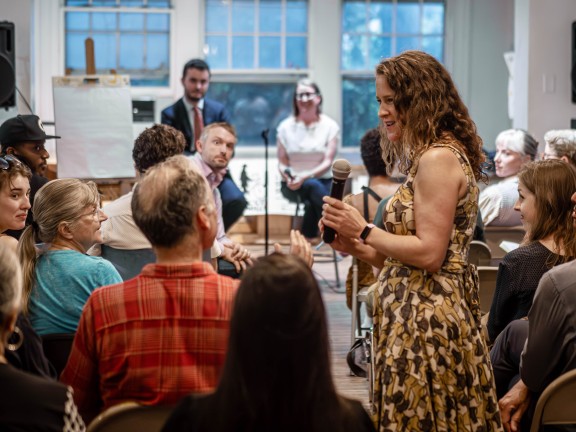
(30, 356)
(517, 280)
(29, 403)
(199, 413)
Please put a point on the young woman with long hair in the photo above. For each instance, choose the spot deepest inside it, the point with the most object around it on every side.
(545, 210)
(277, 372)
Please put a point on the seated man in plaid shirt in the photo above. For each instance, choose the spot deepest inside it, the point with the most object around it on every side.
(162, 335)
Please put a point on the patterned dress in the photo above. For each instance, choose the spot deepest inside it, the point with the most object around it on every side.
(432, 367)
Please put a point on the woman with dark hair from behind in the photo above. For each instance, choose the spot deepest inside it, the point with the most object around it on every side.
(277, 372)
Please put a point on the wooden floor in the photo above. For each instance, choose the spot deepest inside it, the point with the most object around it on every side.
(339, 319)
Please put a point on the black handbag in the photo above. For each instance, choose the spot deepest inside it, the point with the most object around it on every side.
(358, 357)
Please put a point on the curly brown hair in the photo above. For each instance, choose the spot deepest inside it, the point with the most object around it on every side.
(156, 144)
(430, 111)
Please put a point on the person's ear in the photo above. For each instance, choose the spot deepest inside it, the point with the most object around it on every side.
(199, 146)
(9, 150)
(203, 218)
(65, 230)
(565, 159)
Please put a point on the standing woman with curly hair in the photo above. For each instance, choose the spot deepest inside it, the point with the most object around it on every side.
(432, 366)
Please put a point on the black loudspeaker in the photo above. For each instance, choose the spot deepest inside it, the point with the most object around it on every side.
(573, 71)
(7, 65)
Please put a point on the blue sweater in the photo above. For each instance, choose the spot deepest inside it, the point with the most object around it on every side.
(64, 281)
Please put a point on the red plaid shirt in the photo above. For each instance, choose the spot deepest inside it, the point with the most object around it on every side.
(151, 339)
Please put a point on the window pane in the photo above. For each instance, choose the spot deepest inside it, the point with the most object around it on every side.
(131, 51)
(216, 16)
(270, 16)
(359, 109)
(408, 18)
(75, 51)
(158, 22)
(132, 21)
(354, 52)
(380, 17)
(77, 21)
(105, 3)
(216, 51)
(407, 43)
(76, 2)
(380, 47)
(242, 52)
(434, 45)
(255, 107)
(270, 52)
(131, 3)
(159, 3)
(243, 16)
(104, 21)
(157, 49)
(433, 18)
(296, 52)
(296, 16)
(354, 16)
(105, 51)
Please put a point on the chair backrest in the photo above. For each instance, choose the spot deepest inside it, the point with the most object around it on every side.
(57, 349)
(557, 403)
(487, 278)
(496, 235)
(131, 416)
(480, 253)
(129, 263)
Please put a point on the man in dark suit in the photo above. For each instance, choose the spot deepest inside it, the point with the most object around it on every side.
(189, 115)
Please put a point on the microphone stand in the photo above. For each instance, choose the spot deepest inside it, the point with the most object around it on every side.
(266, 233)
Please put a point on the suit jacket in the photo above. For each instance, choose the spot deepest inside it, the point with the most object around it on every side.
(177, 116)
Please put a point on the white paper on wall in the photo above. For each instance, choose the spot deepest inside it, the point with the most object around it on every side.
(93, 115)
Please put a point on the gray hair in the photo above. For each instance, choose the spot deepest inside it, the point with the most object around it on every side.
(165, 202)
(563, 143)
(520, 141)
(10, 283)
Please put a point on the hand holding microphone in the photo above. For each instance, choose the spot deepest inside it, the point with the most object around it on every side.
(341, 169)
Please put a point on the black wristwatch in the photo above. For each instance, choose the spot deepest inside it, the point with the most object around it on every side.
(366, 231)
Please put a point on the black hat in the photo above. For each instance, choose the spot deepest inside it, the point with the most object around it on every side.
(23, 128)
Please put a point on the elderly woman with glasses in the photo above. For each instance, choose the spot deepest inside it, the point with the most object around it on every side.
(307, 144)
(560, 144)
(59, 278)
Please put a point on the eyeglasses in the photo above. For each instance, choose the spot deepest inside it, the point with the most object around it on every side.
(305, 97)
(6, 161)
(547, 156)
(94, 213)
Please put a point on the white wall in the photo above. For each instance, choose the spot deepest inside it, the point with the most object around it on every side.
(20, 13)
(491, 35)
(546, 28)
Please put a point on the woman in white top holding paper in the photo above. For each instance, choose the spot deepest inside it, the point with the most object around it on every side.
(307, 143)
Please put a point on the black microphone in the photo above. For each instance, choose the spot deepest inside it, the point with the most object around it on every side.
(288, 173)
(340, 171)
